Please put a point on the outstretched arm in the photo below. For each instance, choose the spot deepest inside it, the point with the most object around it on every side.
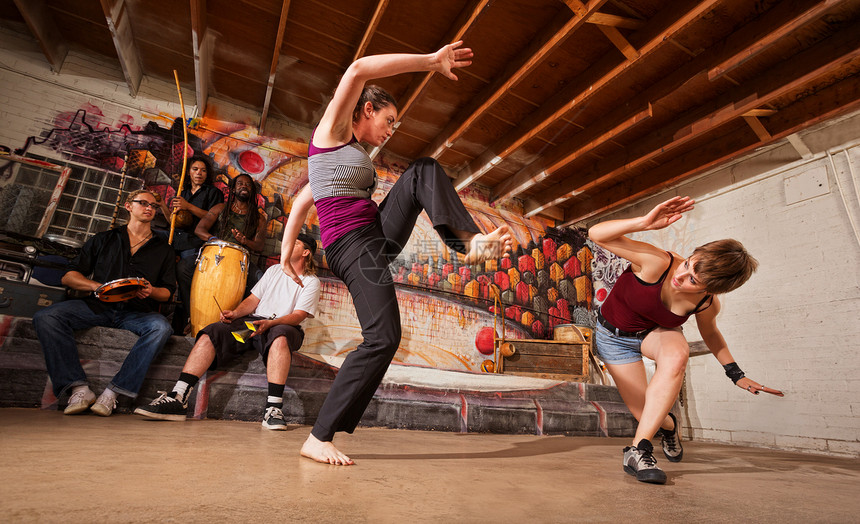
(298, 215)
(707, 323)
(335, 127)
(611, 234)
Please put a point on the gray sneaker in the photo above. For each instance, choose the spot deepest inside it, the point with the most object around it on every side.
(671, 442)
(639, 461)
(80, 401)
(274, 419)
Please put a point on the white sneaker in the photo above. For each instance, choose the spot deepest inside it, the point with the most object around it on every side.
(80, 401)
(105, 405)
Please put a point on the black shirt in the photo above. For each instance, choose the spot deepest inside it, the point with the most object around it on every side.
(107, 256)
(207, 197)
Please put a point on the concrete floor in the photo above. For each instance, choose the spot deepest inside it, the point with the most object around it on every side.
(126, 469)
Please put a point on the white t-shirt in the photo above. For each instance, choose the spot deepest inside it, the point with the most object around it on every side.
(280, 296)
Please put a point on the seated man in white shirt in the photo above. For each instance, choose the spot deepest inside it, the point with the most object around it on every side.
(276, 306)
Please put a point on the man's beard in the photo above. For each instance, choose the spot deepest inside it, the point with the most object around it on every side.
(243, 196)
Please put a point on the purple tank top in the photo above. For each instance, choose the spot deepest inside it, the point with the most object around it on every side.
(342, 179)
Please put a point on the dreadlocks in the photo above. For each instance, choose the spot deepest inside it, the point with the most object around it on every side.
(252, 218)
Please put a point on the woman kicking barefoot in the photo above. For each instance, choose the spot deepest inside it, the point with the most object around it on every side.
(643, 315)
(361, 239)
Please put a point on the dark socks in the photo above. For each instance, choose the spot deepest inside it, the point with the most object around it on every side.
(276, 395)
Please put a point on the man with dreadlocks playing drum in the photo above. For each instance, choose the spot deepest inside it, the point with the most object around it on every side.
(238, 220)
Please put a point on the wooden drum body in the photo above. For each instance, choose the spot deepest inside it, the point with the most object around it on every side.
(220, 275)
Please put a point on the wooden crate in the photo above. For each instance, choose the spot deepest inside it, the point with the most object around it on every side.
(553, 359)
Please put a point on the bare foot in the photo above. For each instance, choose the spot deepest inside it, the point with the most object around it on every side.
(492, 245)
(324, 452)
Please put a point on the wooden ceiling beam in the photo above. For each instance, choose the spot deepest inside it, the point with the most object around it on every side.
(773, 36)
(119, 23)
(555, 213)
(371, 28)
(518, 68)
(829, 103)
(564, 101)
(465, 21)
(202, 43)
(276, 56)
(783, 79)
(45, 31)
(618, 40)
(615, 21)
(565, 153)
(757, 127)
(666, 87)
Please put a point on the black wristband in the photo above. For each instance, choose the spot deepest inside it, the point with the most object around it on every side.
(733, 371)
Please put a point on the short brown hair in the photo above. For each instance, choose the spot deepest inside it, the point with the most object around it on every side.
(723, 265)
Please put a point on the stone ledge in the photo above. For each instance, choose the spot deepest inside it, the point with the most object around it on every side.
(239, 391)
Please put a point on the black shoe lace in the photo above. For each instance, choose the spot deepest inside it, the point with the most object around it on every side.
(647, 458)
(670, 442)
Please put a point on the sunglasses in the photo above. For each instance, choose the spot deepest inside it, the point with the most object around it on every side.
(144, 203)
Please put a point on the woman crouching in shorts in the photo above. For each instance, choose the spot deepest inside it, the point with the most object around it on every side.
(643, 315)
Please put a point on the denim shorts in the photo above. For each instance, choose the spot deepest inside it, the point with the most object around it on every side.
(613, 349)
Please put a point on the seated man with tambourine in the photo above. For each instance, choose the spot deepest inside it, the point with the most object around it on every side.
(131, 271)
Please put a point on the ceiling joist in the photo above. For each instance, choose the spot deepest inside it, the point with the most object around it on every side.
(45, 31)
(564, 101)
(119, 23)
(202, 43)
(276, 55)
(467, 19)
(564, 154)
(773, 36)
(713, 154)
(525, 62)
(780, 81)
(371, 28)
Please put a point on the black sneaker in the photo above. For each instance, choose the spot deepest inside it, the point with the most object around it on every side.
(671, 442)
(274, 419)
(639, 461)
(165, 407)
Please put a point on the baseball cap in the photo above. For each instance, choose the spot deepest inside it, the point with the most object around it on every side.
(309, 242)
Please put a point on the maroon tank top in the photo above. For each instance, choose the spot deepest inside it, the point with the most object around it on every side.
(634, 305)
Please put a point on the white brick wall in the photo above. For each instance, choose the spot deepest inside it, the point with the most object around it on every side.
(30, 94)
(795, 325)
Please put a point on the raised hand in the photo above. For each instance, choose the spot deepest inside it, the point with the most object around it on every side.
(450, 57)
(667, 213)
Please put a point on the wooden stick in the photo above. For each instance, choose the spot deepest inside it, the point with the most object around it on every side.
(217, 304)
(184, 158)
(121, 187)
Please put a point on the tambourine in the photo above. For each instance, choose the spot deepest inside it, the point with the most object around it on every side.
(120, 290)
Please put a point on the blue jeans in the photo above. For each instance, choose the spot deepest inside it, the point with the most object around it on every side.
(56, 326)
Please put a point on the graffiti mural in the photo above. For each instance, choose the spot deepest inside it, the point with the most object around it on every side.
(545, 282)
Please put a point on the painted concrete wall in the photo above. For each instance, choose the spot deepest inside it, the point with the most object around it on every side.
(795, 325)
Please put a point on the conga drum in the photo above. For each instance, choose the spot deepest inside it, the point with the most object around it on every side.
(220, 274)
